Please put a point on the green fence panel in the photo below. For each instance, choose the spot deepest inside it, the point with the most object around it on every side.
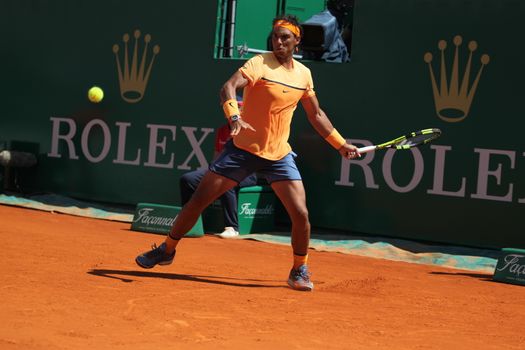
(161, 108)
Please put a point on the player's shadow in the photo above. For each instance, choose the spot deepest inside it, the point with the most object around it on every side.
(228, 281)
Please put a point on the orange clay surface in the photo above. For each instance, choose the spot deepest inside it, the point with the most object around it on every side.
(72, 283)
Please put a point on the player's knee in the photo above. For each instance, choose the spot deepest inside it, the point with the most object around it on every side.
(300, 216)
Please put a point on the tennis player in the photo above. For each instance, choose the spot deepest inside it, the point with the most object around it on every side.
(273, 84)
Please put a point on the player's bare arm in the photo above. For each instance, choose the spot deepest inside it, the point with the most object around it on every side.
(228, 93)
(320, 122)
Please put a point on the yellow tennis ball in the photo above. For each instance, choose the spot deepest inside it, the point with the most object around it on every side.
(95, 94)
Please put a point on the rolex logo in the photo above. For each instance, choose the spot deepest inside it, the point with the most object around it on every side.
(133, 76)
(452, 97)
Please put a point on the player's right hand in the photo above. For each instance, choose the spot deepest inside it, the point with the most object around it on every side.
(349, 151)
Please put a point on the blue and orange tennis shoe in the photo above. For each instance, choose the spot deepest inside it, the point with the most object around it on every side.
(299, 279)
(157, 255)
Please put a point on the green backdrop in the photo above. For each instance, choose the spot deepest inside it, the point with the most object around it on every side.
(467, 188)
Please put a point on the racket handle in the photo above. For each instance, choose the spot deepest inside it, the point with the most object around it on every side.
(366, 149)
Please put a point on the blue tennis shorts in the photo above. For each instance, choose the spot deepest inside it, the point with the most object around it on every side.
(236, 164)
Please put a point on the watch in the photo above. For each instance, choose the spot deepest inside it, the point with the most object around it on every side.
(235, 118)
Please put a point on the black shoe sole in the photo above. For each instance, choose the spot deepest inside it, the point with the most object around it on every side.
(150, 267)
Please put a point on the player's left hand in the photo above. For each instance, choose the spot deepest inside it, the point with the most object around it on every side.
(349, 151)
(239, 125)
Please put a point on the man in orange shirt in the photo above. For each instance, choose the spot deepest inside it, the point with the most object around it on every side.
(273, 84)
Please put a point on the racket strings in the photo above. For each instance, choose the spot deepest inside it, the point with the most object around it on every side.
(418, 138)
(408, 141)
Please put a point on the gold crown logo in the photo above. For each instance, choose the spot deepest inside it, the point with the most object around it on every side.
(453, 99)
(133, 78)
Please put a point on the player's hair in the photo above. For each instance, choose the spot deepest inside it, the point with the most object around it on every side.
(289, 18)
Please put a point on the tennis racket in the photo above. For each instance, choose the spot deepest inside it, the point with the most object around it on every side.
(413, 139)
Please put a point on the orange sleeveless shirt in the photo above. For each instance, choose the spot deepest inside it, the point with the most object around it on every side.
(270, 99)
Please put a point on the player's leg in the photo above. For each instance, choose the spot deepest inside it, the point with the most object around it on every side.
(293, 197)
(286, 182)
(211, 186)
(225, 172)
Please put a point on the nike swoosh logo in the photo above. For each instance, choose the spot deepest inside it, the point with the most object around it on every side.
(231, 105)
(285, 91)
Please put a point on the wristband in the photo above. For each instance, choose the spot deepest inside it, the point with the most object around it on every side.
(230, 107)
(335, 139)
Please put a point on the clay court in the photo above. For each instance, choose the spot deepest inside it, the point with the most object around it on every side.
(71, 283)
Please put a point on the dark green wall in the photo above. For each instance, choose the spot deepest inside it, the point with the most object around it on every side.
(54, 50)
